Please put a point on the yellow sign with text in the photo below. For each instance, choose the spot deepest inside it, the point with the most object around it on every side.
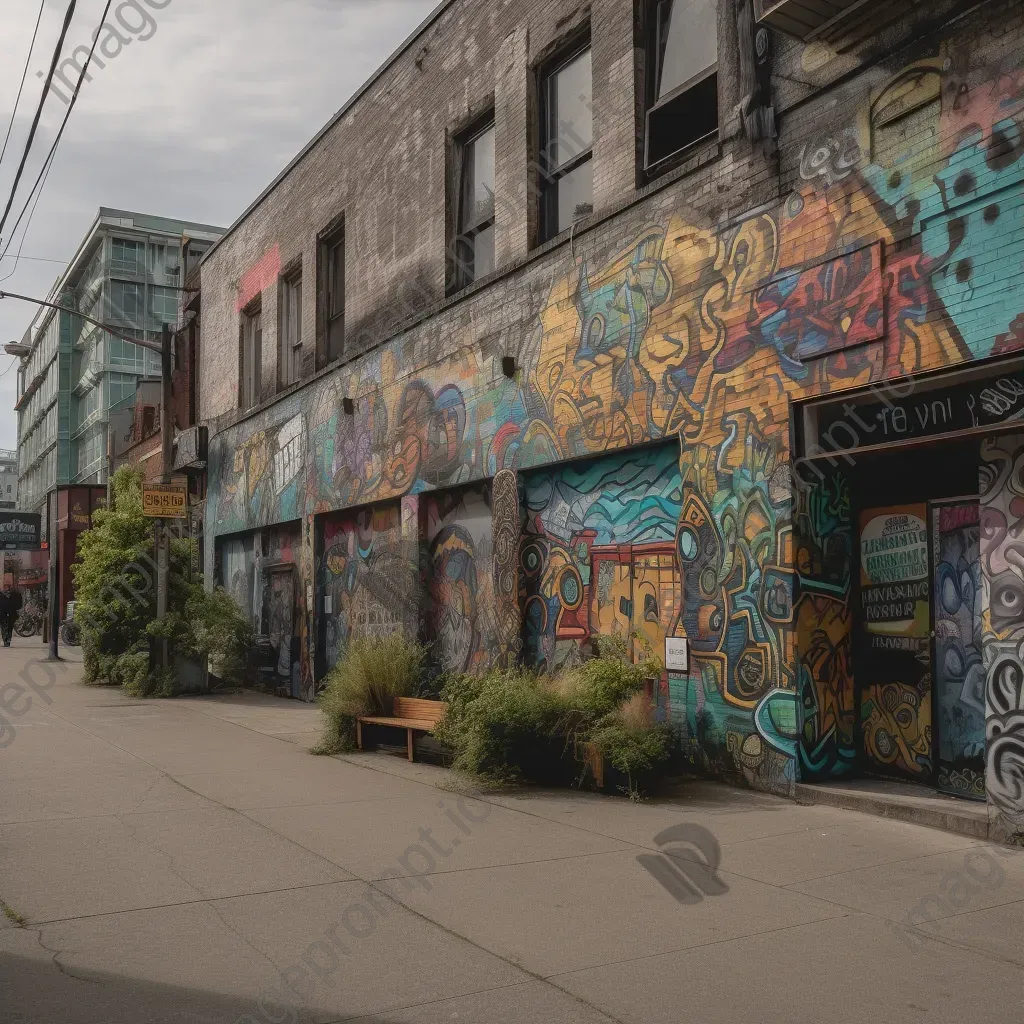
(165, 501)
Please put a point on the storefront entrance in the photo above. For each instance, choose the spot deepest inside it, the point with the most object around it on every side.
(906, 628)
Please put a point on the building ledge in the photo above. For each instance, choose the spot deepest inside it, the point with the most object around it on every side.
(840, 23)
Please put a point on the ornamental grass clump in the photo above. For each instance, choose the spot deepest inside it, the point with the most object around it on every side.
(371, 673)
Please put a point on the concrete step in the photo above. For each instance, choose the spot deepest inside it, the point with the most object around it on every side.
(902, 801)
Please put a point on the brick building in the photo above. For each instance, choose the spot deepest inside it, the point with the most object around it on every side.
(690, 320)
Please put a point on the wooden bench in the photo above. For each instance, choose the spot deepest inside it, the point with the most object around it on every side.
(411, 714)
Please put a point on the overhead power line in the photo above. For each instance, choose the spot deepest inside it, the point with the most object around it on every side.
(24, 75)
(44, 171)
(39, 111)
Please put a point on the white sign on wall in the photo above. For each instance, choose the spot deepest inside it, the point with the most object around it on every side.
(677, 654)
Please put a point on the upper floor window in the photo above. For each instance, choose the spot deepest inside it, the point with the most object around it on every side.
(332, 295)
(251, 356)
(682, 89)
(567, 137)
(474, 243)
(126, 255)
(163, 304)
(126, 301)
(290, 331)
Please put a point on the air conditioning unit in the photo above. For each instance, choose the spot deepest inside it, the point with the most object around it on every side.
(834, 21)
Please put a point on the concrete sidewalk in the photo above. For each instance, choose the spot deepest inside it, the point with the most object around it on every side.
(188, 860)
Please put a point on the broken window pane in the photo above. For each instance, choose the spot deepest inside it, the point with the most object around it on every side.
(478, 176)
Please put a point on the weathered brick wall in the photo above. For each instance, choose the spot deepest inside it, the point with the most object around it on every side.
(884, 239)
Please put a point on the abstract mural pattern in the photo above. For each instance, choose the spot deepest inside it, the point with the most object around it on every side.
(824, 627)
(1002, 560)
(700, 333)
(366, 583)
(462, 626)
(958, 668)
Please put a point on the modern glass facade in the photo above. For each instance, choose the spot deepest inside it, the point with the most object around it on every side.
(127, 273)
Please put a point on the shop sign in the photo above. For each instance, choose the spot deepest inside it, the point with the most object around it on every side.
(895, 576)
(165, 501)
(19, 530)
(970, 405)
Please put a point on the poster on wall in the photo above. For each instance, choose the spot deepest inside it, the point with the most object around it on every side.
(894, 576)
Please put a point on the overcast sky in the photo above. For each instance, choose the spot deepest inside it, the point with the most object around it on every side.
(192, 122)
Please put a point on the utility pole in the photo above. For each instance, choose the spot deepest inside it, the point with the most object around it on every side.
(163, 558)
(167, 429)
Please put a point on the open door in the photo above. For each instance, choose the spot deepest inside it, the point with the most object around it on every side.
(959, 671)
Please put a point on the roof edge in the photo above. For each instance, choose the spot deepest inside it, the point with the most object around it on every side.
(406, 44)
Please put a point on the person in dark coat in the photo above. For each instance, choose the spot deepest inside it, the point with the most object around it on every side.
(10, 606)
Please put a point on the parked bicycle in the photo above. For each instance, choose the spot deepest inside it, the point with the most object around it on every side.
(70, 631)
(30, 622)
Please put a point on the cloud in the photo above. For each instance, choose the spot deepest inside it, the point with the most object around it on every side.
(192, 122)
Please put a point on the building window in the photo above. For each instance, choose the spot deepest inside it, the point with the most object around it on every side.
(126, 301)
(567, 135)
(474, 242)
(332, 262)
(251, 355)
(125, 255)
(682, 89)
(290, 332)
(163, 304)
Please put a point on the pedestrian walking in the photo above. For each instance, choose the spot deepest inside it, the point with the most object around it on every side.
(10, 606)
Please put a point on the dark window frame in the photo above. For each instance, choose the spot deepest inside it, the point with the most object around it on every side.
(247, 331)
(651, 27)
(329, 317)
(464, 234)
(289, 280)
(550, 175)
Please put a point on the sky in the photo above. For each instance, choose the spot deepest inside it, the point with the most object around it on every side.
(199, 107)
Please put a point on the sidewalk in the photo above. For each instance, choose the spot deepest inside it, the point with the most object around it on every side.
(188, 860)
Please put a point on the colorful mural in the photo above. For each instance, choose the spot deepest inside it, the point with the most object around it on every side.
(461, 612)
(894, 669)
(366, 582)
(824, 626)
(958, 669)
(1002, 600)
(698, 331)
(598, 554)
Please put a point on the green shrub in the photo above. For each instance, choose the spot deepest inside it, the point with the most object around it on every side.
(115, 583)
(501, 724)
(365, 681)
(631, 741)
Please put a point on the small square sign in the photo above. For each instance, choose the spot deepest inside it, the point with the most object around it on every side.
(677, 654)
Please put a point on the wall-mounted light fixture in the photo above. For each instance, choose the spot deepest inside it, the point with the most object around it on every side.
(508, 366)
(349, 406)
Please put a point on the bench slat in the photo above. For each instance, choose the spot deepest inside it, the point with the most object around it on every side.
(399, 723)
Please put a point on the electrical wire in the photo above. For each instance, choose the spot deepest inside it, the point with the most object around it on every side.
(24, 75)
(39, 111)
(18, 257)
(40, 181)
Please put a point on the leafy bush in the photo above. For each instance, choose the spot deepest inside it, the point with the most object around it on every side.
(115, 582)
(365, 681)
(514, 724)
(500, 724)
(632, 741)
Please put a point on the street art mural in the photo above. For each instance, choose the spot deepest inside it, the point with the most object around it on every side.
(894, 672)
(824, 626)
(883, 259)
(1002, 563)
(461, 612)
(366, 582)
(506, 518)
(598, 554)
(959, 671)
